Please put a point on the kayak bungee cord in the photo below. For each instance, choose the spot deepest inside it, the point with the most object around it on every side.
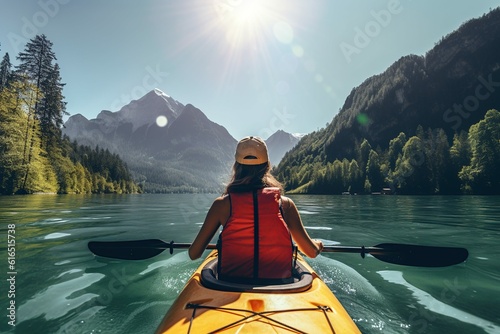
(264, 315)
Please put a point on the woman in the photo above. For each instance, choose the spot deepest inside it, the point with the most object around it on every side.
(257, 222)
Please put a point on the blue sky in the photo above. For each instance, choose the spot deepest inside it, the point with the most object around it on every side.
(252, 66)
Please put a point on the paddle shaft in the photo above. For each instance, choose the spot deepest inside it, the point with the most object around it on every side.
(329, 249)
(332, 249)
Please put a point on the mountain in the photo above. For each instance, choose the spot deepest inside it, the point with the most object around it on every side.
(279, 143)
(450, 88)
(189, 153)
(184, 151)
(134, 124)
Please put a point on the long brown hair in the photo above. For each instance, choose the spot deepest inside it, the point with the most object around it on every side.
(248, 177)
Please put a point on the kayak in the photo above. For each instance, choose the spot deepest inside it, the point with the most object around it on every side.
(306, 305)
(208, 305)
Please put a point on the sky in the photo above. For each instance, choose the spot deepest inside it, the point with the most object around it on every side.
(252, 66)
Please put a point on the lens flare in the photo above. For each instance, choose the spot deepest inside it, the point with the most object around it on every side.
(161, 121)
(363, 119)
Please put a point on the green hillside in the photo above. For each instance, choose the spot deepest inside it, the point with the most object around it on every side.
(409, 128)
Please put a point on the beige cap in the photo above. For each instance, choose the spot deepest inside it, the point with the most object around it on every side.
(251, 151)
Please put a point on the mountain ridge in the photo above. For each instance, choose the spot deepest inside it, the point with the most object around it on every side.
(407, 85)
(163, 157)
(279, 143)
(190, 153)
(449, 88)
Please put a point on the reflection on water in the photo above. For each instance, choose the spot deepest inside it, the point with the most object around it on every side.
(59, 299)
(434, 305)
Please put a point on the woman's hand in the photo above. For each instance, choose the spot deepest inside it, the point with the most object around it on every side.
(319, 246)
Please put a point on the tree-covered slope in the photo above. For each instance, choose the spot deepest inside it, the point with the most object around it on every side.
(450, 89)
(34, 156)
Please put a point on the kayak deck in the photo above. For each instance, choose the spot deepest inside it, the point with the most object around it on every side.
(307, 306)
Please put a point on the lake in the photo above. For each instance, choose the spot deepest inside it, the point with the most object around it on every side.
(55, 285)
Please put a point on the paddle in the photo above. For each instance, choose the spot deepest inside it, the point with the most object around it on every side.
(409, 255)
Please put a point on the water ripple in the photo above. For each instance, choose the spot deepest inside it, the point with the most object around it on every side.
(436, 306)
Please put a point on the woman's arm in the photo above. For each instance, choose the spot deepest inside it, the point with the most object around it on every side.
(310, 247)
(219, 211)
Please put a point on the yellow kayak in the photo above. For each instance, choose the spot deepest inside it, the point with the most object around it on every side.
(306, 305)
(207, 305)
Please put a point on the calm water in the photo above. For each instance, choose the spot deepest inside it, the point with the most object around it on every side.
(60, 287)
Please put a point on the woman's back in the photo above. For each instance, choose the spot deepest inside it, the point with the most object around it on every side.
(255, 242)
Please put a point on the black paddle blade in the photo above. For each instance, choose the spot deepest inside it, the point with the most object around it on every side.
(419, 256)
(128, 250)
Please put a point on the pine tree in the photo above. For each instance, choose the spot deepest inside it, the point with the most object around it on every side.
(363, 153)
(17, 175)
(411, 173)
(5, 71)
(373, 172)
(36, 67)
(11, 133)
(36, 60)
(35, 64)
(396, 148)
(355, 177)
(481, 176)
(438, 160)
(52, 109)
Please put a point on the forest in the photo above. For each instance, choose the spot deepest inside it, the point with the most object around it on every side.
(422, 164)
(426, 125)
(34, 156)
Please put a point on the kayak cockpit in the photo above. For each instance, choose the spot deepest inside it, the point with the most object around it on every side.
(302, 281)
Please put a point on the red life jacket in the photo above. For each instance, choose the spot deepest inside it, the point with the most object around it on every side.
(255, 242)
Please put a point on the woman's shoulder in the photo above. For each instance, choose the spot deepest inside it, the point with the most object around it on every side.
(221, 201)
(287, 202)
(221, 207)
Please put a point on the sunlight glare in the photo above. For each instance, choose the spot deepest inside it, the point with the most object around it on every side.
(283, 32)
(247, 12)
(243, 20)
(252, 32)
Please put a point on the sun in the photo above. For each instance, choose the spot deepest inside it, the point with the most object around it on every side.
(247, 35)
(248, 13)
(243, 20)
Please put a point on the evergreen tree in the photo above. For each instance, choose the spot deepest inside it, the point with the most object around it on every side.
(460, 155)
(35, 64)
(337, 183)
(460, 152)
(411, 173)
(345, 174)
(52, 109)
(5, 71)
(20, 174)
(482, 176)
(438, 160)
(363, 153)
(36, 60)
(420, 133)
(11, 135)
(396, 148)
(373, 173)
(355, 178)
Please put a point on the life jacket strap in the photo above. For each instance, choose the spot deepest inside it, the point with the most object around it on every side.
(255, 235)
